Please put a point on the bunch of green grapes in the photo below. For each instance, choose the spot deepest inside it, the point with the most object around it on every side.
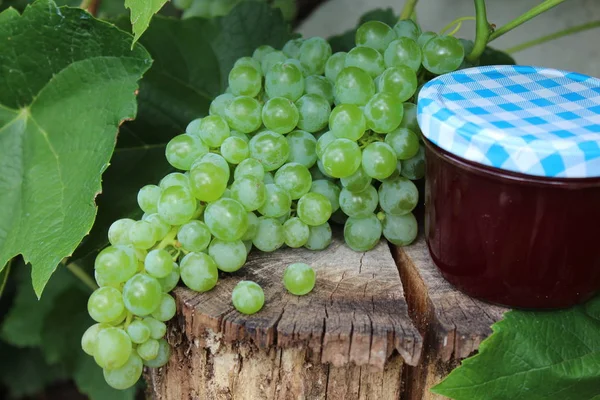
(300, 138)
(218, 8)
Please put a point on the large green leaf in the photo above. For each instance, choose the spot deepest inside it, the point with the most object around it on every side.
(67, 81)
(192, 61)
(534, 356)
(141, 14)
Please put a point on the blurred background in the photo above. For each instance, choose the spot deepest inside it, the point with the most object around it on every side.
(579, 52)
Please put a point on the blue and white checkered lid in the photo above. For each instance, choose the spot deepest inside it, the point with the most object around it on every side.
(536, 121)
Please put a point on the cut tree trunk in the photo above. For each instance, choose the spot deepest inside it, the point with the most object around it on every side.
(379, 325)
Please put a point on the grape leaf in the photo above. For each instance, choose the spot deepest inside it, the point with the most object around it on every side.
(67, 82)
(345, 41)
(192, 62)
(533, 356)
(141, 14)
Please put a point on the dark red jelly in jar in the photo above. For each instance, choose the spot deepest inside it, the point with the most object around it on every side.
(512, 202)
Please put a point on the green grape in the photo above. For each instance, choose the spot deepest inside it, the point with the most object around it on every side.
(138, 331)
(347, 121)
(166, 309)
(176, 205)
(314, 112)
(194, 236)
(141, 294)
(193, 128)
(164, 352)
(407, 28)
(319, 85)
(442, 54)
(314, 209)
(126, 375)
(425, 37)
(218, 107)
(292, 47)
(182, 150)
(235, 150)
(314, 53)
(252, 227)
(158, 263)
(244, 114)
(335, 64)
(384, 112)
(248, 244)
(248, 297)
(409, 120)
(199, 272)
(319, 237)
(341, 158)
(88, 340)
(208, 181)
(174, 179)
(293, 178)
(329, 190)
(280, 115)
(403, 51)
(400, 81)
(142, 235)
(227, 219)
(295, 232)
(404, 142)
(269, 235)
(353, 86)
(270, 148)
(299, 279)
(241, 135)
(170, 281)
(316, 174)
(148, 350)
(325, 140)
(118, 233)
(379, 160)
(302, 148)
(229, 256)
(398, 196)
(362, 234)
(147, 198)
(214, 130)
(277, 203)
(367, 59)
(113, 348)
(400, 230)
(374, 34)
(157, 328)
(161, 228)
(275, 57)
(245, 80)
(248, 61)
(359, 204)
(249, 167)
(116, 264)
(357, 182)
(414, 168)
(268, 179)
(299, 65)
(284, 80)
(105, 304)
(261, 51)
(249, 192)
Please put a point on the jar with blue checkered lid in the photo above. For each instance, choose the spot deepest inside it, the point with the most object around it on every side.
(513, 183)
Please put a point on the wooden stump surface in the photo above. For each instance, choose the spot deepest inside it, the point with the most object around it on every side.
(380, 324)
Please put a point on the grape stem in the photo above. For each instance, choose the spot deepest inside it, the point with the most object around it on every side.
(82, 276)
(458, 22)
(534, 12)
(4, 276)
(408, 9)
(482, 31)
(552, 36)
(128, 320)
(169, 239)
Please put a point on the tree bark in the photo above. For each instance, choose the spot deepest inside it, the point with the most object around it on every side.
(379, 325)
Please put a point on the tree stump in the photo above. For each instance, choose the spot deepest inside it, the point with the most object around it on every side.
(379, 325)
